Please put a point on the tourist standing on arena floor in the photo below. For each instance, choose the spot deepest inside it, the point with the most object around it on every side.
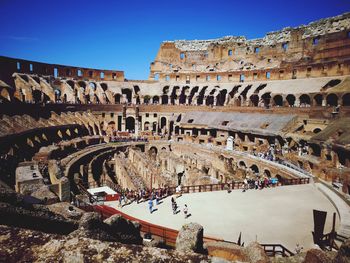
(245, 185)
(173, 205)
(185, 209)
(157, 198)
(150, 205)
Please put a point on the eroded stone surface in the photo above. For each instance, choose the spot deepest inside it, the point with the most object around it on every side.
(190, 238)
(19, 245)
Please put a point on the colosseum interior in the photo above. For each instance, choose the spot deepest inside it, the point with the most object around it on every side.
(212, 114)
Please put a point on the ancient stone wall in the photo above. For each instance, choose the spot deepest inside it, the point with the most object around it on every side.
(317, 49)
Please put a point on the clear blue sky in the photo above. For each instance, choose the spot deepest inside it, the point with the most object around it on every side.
(126, 35)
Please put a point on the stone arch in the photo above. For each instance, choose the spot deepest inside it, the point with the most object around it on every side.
(82, 84)
(154, 126)
(117, 98)
(166, 90)
(278, 100)
(146, 99)
(57, 93)
(165, 99)
(200, 98)
(221, 97)
(130, 124)
(318, 98)
(173, 95)
(39, 96)
(111, 128)
(305, 99)
(146, 126)
(234, 90)
(104, 86)
(153, 151)
(343, 157)
(290, 100)
(332, 99)
(136, 89)
(209, 100)
(71, 83)
(267, 172)
(254, 99)
(279, 177)
(242, 164)
(316, 130)
(346, 99)
(162, 122)
(155, 100)
(92, 86)
(193, 91)
(128, 93)
(266, 98)
(254, 168)
(183, 95)
(315, 149)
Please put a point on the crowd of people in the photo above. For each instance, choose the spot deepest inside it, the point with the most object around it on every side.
(128, 139)
(141, 195)
(153, 198)
(259, 183)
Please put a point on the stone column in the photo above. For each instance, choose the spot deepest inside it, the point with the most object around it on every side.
(324, 102)
(226, 100)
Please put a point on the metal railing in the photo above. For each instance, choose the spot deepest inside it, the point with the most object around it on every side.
(276, 249)
(169, 235)
(228, 186)
(232, 186)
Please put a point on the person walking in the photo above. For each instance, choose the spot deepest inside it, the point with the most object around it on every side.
(173, 205)
(245, 185)
(120, 200)
(157, 198)
(185, 210)
(150, 205)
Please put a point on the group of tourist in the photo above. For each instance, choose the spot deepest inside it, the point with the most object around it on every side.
(259, 183)
(128, 139)
(156, 195)
(128, 196)
(175, 207)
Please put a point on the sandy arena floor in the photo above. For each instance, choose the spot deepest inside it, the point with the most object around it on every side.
(281, 215)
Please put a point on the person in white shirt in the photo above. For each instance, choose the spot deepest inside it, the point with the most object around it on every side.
(185, 210)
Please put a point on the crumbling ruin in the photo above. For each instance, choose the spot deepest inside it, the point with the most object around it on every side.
(282, 101)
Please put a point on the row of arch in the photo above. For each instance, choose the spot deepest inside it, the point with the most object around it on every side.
(220, 99)
(214, 96)
(240, 163)
(130, 123)
(304, 99)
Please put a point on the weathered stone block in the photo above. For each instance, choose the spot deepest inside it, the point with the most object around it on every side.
(190, 238)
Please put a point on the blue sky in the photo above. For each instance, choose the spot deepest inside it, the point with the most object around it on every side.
(126, 35)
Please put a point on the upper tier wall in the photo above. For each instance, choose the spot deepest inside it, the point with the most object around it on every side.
(318, 49)
(10, 65)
